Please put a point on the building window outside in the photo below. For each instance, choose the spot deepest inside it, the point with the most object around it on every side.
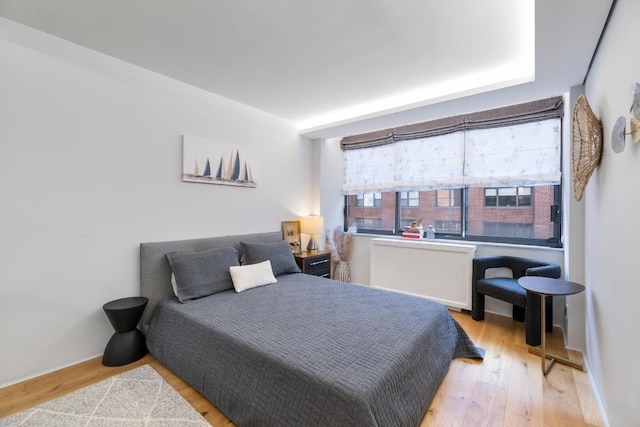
(368, 223)
(409, 199)
(507, 197)
(369, 200)
(448, 198)
(508, 229)
(453, 227)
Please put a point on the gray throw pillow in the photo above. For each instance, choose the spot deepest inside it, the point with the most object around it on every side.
(279, 253)
(202, 273)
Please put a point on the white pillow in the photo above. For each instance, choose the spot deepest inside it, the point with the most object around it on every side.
(252, 275)
(174, 285)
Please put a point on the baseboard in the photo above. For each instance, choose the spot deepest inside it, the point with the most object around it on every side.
(596, 394)
(49, 371)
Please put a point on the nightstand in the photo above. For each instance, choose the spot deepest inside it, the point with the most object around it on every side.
(127, 343)
(317, 263)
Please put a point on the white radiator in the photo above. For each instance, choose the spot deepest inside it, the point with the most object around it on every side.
(434, 270)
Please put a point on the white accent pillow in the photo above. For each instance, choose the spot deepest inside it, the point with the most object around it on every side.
(252, 275)
(174, 285)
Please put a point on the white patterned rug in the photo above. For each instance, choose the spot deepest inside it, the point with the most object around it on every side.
(140, 397)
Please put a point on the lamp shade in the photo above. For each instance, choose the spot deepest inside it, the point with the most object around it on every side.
(312, 224)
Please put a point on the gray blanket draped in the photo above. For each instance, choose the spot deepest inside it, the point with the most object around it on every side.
(309, 351)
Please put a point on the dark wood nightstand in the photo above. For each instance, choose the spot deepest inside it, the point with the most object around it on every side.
(317, 263)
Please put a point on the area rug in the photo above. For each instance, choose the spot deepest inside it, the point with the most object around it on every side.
(140, 397)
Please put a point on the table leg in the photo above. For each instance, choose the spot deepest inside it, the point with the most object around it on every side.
(542, 352)
(543, 332)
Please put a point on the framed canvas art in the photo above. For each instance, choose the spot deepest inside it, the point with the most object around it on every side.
(210, 162)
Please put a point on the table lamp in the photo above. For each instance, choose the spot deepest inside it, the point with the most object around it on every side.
(312, 224)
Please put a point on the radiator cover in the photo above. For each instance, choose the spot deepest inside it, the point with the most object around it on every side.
(435, 270)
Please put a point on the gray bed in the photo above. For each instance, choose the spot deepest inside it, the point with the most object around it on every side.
(305, 351)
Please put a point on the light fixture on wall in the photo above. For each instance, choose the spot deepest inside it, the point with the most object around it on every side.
(312, 225)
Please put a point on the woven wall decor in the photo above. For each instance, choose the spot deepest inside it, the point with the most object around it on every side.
(586, 145)
(635, 129)
(635, 114)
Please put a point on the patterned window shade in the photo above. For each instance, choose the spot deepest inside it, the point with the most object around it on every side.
(508, 146)
(523, 154)
(507, 156)
(429, 163)
(369, 170)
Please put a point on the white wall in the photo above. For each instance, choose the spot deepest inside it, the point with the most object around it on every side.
(573, 237)
(331, 176)
(612, 228)
(90, 166)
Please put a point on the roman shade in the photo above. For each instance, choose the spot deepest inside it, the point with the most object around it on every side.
(511, 146)
(505, 116)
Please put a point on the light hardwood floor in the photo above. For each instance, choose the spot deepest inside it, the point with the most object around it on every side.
(506, 389)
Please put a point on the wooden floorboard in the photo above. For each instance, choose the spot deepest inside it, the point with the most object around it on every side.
(506, 389)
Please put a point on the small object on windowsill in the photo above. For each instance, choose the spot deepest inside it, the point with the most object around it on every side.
(407, 235)
(431, 232)
(414, 231)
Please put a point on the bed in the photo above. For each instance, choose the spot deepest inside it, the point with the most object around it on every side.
(303, 351)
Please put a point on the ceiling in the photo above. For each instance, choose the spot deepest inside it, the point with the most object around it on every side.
(325, 65)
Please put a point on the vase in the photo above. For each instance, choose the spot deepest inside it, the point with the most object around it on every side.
(341, 272)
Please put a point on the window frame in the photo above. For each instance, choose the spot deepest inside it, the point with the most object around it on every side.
(553, 242)
(377, 201)
(452, 199)
(517, 198)
(408, 199)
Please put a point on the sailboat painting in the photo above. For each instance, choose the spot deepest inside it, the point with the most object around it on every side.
(213, 163)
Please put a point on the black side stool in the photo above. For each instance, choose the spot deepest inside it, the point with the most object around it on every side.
(127, 344)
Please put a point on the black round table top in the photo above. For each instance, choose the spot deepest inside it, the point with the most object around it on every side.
(125, 303)
(548, 286)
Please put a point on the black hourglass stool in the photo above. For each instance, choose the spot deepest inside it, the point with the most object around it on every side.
(127, 344)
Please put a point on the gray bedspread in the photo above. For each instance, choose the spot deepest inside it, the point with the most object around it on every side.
(309, 351)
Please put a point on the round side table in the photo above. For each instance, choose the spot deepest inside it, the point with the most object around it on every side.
(545, 286)
(127, 343)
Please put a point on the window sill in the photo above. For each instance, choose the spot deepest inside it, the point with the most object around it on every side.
(462, 241)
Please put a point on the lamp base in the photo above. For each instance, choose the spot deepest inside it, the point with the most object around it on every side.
(313, 245)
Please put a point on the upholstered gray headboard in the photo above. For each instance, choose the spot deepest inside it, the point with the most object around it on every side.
(155, 272)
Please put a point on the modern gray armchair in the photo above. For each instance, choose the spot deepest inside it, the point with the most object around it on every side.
(526, 305)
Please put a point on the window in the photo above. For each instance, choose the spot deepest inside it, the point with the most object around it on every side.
(447, 198)
(373, 213)
(409, 199)
(368, 223)
(507, 197)
(386, 215)
(506, 214)
(493, 175)
(452, 227)
(508, 229)
(369, 200)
